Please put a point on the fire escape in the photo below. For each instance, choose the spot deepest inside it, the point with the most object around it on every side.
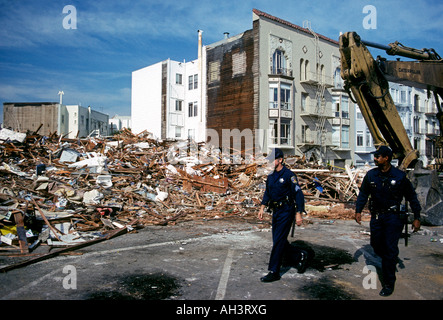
(318, 113)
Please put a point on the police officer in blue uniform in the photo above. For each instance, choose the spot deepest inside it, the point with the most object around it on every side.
(284, 195)
(386, 187)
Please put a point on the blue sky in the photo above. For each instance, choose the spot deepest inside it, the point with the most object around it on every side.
(93, 63)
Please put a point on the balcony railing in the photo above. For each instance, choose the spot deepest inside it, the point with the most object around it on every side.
(281, 72)
(314, 110)
(314, 78)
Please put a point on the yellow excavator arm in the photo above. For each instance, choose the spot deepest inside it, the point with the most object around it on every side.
(367, 80)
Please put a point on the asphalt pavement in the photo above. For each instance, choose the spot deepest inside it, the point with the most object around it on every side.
(223, 260)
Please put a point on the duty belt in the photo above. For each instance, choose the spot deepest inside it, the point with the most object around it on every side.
(392, 209)
(279, 204)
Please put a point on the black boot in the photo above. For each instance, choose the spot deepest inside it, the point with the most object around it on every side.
(270, 277)
(302, 264)
(387, 291)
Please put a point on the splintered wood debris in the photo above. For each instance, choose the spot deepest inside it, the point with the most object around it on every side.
(61, 192)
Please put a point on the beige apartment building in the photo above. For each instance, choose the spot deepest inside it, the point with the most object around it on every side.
(278, 82)
(282, 81)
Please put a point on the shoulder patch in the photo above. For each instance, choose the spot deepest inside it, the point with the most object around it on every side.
(294, 179)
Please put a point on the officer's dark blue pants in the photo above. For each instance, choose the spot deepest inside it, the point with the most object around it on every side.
(282, 219)
(385, 233)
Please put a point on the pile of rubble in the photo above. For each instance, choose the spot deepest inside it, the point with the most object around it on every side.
(66, 192)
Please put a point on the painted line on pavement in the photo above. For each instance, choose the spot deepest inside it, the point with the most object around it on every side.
(221, 290)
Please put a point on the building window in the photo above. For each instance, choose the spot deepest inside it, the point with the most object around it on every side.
(304, 133)
(402, 96)
(178, 105)
(368, 138)
(417, 103)
(338, 81)
(279, 62)
(273, 98)
(345, 137)
(283, 100)
(336, 107)
(285, 96)
(392, 91)
(302, 70)
(285, 132)
(320, 73)
(192, 109)
(336, 136)
(417, 143)
(416, 125)
(178, 78)
(178, 132)
(359, 138)
(274, 131)
(429, 146)
(304, 101)
(344, 107)
(323, 73)
(193, 82)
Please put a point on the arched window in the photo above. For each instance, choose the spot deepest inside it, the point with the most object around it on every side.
(337, 78)
(278, 62)
(302, 70)
(322, 73)
(307, 70)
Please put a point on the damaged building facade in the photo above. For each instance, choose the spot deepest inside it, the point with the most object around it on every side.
(278, 82)
(72, 121)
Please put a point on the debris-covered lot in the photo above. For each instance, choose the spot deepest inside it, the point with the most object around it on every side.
(70, 192)
(73, 199)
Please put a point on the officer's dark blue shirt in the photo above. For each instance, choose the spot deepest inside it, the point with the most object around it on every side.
(387, 189)
(282, 185)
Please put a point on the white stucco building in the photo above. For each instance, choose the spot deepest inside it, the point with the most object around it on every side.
(117, 123)
(83, 122)
(168, 99)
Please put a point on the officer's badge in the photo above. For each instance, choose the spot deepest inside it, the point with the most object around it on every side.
(281, 180)
(294, 179)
